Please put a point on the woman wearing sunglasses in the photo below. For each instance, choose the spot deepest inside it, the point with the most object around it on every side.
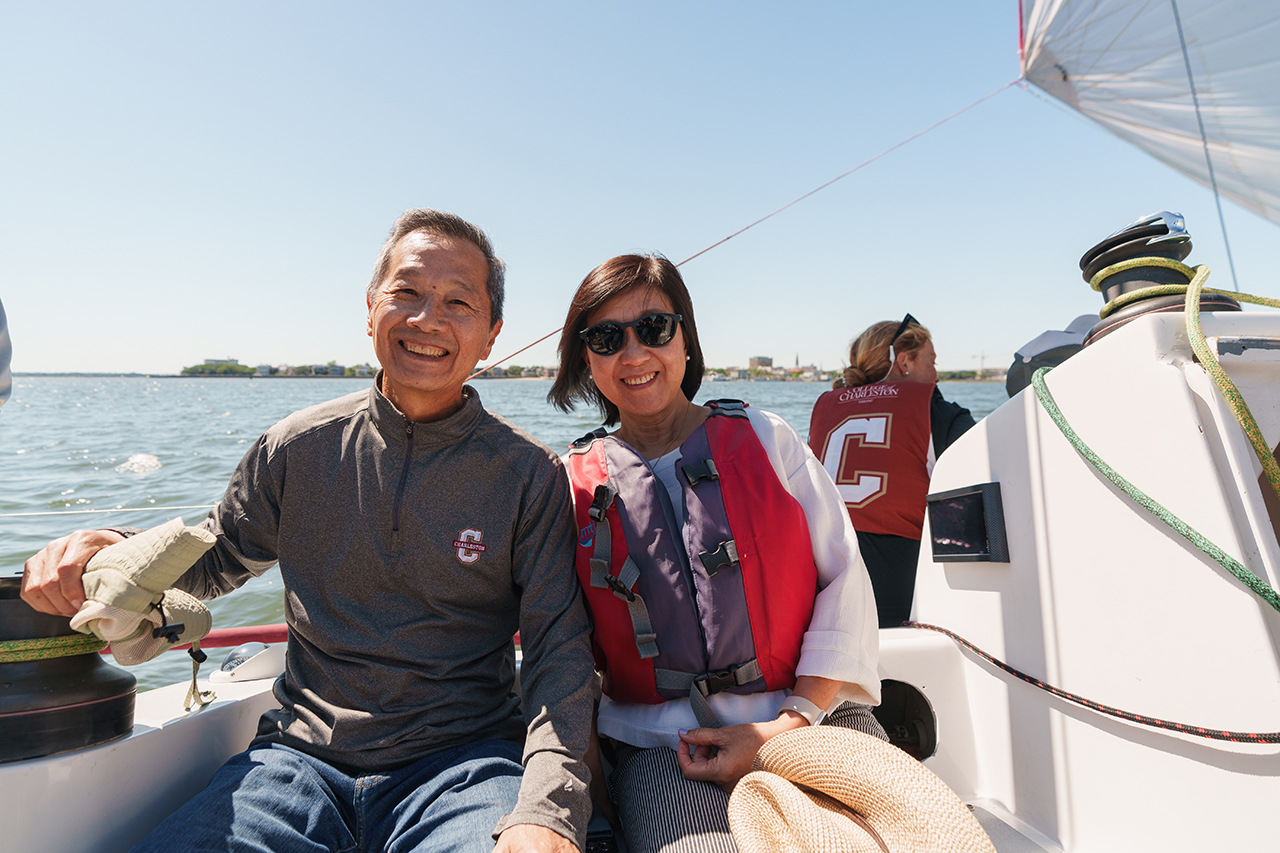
(728, 598)
(878, 433)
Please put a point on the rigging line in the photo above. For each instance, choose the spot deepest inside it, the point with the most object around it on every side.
(791, 203)
(93, 511)
(491, 365)
(888, 150)
(1204, 139)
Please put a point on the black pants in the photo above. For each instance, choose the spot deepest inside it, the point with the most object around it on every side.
(891, 562)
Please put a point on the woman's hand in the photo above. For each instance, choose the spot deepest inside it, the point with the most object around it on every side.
(723, 756)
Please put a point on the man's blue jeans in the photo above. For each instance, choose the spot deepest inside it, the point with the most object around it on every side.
(275, 799)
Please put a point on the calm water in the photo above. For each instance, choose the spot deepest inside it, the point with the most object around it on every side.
(77, 444)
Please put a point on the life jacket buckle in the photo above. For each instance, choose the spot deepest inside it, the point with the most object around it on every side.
(722, 557)
(601, 499)
(730, 408)
(704, 470)
(618, 588)
(710, 683)
(586, 440)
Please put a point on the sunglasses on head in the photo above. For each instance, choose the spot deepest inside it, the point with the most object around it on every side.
(652, 330)
(902, 327)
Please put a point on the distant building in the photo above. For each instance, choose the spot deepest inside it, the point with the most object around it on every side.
(262, 370)
(337, 370)
(760, 362)
(222, 361)
(363, 370)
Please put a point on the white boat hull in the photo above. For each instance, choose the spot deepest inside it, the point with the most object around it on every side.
(1101, 599)
(106, 798)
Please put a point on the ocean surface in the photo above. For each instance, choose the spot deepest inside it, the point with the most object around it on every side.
(132, 451)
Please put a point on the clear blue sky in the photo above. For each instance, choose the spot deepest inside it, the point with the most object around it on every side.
(184, 181)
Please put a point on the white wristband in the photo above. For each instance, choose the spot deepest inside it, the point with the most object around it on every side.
(804, 708)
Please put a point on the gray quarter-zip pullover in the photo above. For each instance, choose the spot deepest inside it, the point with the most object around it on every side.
(410, 554)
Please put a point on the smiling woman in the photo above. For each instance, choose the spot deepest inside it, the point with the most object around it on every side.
(431, 318)
(704, 533)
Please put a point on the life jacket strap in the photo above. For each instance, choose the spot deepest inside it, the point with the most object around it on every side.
(702, 686)
(622, 583)
(723, 557)
(641, 626)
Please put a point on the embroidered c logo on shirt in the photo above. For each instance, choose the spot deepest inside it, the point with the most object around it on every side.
(468, 545)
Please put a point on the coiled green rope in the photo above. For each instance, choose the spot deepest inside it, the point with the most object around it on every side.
(1193, 536)
(43, 648)
(1209, 361)
(1198, 276)
(1234, 399)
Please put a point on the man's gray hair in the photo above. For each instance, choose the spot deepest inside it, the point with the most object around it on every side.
(445, 225)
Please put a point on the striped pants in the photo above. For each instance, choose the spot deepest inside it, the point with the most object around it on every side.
(663, 812)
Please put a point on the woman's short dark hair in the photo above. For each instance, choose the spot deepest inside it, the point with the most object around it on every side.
(613, 278)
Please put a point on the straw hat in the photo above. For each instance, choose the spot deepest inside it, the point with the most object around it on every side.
(824, 788)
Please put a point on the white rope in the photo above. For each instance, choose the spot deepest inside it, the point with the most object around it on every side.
(91, 511)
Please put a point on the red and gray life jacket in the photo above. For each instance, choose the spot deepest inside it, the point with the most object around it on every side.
(729, 618)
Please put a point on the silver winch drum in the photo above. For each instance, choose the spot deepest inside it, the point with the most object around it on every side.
(1161, 235)
(60, 703)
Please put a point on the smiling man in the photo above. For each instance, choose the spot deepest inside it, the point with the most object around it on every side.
(415, 533)
(432, 318)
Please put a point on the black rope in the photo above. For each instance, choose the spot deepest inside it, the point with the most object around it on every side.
(1196, 731)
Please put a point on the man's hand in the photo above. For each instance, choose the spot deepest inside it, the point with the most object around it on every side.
(52, 580)
(531, 838)
(723, 756)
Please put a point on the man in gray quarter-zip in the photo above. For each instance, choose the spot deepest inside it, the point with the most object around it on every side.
(415, 533)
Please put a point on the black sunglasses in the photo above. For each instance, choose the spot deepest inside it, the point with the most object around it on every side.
(902, 327)
(652, 330)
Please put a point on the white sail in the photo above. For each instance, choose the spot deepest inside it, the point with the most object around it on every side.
(1121, 63)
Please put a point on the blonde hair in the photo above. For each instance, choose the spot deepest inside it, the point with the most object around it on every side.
(869, 352)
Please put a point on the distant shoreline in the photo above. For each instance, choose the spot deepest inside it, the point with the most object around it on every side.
(196, 376)
(326, 376)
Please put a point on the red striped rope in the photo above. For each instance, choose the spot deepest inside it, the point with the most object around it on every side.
(1154, 722)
